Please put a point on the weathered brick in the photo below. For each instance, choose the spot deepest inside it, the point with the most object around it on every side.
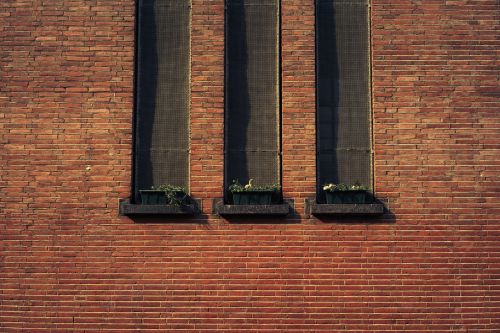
(69, 263)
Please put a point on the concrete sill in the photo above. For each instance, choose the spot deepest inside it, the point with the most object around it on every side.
(373, 209)
(129, 209)
(277, 210)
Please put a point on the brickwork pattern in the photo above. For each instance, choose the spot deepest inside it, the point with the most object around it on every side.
(69, 263)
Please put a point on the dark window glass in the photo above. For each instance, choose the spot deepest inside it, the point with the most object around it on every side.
(343, 92)
(252, 134)
(162, 93)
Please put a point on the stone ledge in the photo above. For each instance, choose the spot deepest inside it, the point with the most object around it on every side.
(129, 209)
(373, 209)
(277, 210)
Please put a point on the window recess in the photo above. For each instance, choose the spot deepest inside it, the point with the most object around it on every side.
(344, 151)
(252, 87)
(161, 137)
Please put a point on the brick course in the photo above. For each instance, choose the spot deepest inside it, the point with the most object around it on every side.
(69, 263)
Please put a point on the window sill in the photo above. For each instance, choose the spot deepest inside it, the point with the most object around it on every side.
(373, 209)
(276, 210)
(129, 209)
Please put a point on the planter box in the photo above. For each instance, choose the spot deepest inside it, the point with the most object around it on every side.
(180, 198)
(153, 197)
(348, 197)
(253, 197)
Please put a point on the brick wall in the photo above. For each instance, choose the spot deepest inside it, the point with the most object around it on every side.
(70, 263)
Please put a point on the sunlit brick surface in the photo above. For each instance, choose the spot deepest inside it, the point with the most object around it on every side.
(70, 263)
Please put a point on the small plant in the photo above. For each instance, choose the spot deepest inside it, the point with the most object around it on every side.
(175, 195)
(330, 187)
(358, 187)
(251, 194)
(346, 194)
(236, 187)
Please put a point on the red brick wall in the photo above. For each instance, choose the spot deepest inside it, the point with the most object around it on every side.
(69, 263)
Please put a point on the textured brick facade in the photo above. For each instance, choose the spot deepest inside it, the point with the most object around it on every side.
(70, 263)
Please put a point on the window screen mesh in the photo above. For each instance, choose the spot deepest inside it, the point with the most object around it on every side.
(162, 113)
(252, 108)
(343, 97)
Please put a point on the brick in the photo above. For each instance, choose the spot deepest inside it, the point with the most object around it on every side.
(69, 262)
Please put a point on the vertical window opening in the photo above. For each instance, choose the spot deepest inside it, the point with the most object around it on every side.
(252, 90)
(343, 93)
(161, 136)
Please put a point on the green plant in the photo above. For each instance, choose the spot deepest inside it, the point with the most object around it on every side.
(175, 195)
(236, 187)
(358, 187)
(330, 187)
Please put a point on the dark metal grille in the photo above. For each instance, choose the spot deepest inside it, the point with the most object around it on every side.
(252, 87)
(162, 111)
(343, 94)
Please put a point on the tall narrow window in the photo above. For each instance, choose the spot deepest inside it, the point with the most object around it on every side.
(162, 93)
(252, 135)
(343, 92)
